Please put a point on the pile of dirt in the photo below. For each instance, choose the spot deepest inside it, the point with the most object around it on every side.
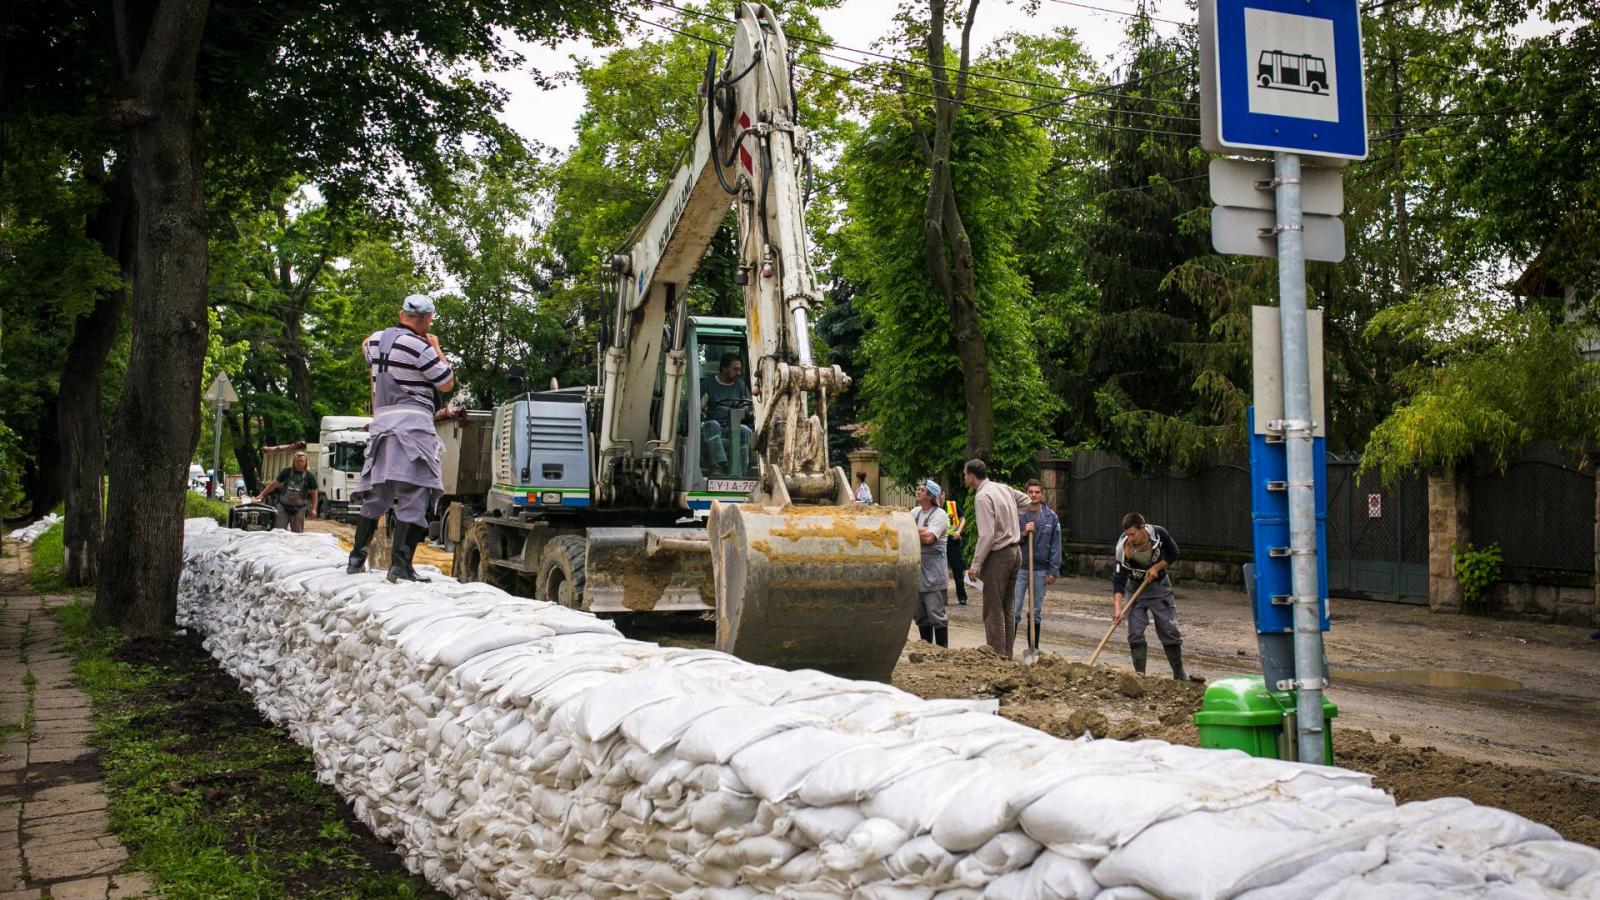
(1066, 699)
(1569, 804)
(1057, 696)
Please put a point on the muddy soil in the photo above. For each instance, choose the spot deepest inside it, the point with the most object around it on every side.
(1067, 699)
(252, 782)
(427, 554)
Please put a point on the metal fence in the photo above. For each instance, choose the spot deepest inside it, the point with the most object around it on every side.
(1208, 509)
(1540, 511)
(1377, 534)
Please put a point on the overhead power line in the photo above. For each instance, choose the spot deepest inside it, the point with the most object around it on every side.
(1103, 92)
(851, 76)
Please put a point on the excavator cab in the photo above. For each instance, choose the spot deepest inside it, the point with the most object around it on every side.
(714, 428)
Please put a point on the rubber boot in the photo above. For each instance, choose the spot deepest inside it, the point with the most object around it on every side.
(1139, 652)
(358, 557)
(1175, 656)
(406, 536)
(941, 635)
(927, 633)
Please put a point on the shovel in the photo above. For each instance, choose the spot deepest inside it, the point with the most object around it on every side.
(1118, 620)
(1030, 655)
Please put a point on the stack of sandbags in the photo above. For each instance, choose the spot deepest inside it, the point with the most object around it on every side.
(512, 747)
(30, 533)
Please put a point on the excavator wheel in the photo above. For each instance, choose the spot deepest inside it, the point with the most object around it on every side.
(815, 587)
(561, 571)
(473, 559)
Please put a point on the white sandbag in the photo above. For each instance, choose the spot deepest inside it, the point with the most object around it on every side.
(513, 747)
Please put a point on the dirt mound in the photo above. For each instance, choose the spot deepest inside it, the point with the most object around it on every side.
(1057, 696)
(1570, 805)
(1066, 699)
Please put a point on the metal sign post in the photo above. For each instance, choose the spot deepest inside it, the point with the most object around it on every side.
(221, 393)
(1286, 78)
(1296, 428)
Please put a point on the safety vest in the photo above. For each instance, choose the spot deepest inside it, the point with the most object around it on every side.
(954, 513)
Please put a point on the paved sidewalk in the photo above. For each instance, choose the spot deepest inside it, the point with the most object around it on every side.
(55, 840)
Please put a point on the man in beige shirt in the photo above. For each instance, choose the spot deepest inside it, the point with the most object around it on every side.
(997, 557)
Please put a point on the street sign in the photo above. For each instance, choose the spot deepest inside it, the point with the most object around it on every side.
(1282, 75)
(1374, 506)
(1266, 368)
(1253, 232)
(1248, 184)
(221, 390)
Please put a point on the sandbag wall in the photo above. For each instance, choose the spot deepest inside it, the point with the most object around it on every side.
(513, 748)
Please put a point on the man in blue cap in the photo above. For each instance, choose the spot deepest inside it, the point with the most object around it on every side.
(933, 593)
(401, 471)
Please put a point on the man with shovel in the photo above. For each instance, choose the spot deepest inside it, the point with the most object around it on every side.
(1144, 553)
(1041, 561)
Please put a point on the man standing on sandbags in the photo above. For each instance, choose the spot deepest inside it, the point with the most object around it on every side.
(933, 595)
(401, 470)
(996, 558)
(1144, 553)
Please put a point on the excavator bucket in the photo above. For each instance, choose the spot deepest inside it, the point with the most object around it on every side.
(815, 587)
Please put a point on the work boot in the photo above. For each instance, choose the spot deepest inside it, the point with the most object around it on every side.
(927, 633)
(358, 556)
(941, 635)
(1139, 652)
(406, 536)
(1175, 657)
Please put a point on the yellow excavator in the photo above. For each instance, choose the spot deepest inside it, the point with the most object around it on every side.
(677, 483)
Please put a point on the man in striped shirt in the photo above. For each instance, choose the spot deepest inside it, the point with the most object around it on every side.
(401, 471)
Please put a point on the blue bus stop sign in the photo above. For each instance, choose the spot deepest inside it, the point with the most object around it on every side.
(1283, 75)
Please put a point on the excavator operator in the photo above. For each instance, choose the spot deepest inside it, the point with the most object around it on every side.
(721, 395)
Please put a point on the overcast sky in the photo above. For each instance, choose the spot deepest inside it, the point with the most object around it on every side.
(549, 116)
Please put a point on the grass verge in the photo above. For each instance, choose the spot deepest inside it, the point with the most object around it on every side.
(198, 507)
(211, 799)
(49, 561)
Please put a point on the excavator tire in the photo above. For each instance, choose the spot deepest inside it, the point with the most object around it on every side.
(561, 571)
(474, 559)
(815, 587)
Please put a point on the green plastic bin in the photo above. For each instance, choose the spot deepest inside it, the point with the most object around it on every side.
(1239, 713)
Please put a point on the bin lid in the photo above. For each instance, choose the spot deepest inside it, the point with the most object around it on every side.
(1245, 700)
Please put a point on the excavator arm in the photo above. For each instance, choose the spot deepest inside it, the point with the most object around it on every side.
(747, 151)
(803, 576)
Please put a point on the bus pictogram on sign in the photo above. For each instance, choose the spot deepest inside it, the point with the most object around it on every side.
(1285, 71)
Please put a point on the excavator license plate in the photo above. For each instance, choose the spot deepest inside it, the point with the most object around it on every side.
(731, 485)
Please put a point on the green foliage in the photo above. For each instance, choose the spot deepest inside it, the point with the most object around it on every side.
(1490, 376)
(912, 384)
(49, 561)
(505, 312)
(12, 460)
(1477, 568)
(198, 507)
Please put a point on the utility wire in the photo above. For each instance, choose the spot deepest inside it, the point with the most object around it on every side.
(712, 17)
(850, 76)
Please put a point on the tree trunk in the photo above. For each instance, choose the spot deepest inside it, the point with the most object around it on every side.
(83, 437)
(43, 477)
(945, 241)
(244, 451)
(157, 421)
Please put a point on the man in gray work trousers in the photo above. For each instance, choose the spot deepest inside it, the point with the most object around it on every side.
(1144, 553)
(401, 471)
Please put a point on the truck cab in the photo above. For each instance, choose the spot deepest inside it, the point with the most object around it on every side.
(341, 451)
